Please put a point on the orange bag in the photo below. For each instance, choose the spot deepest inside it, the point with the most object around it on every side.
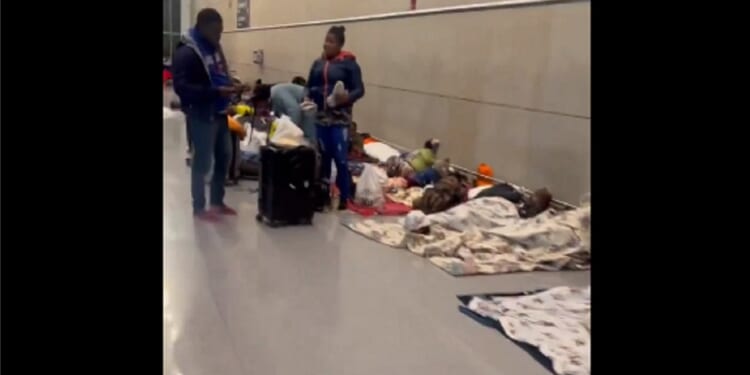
(235, 127)
(486, 170)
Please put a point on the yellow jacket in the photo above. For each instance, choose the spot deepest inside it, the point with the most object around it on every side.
(244, 110)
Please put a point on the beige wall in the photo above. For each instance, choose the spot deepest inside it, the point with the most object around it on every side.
(510, 86)
(274, 12)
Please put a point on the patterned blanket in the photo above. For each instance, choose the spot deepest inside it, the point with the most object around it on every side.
(555, 323)
(406, 196)
(487, 236)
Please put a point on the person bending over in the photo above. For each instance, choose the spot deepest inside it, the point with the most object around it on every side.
(201, 80)
(288, 99)
(334, 85)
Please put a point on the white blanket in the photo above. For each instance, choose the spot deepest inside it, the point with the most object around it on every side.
(380, 151)
(556, 321)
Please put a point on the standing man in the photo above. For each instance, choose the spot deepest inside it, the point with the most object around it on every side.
(201, 80)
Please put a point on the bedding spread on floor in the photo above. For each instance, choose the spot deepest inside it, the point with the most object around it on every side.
(555, 322)
(487, 236)
(406, 196)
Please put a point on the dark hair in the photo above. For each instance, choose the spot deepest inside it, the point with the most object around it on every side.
(338, 33)
(207, 16)
(299, 81)
(261, 92)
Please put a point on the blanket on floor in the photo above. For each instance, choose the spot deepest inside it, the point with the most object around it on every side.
(555, 323)
(487, 236)
(405, 196)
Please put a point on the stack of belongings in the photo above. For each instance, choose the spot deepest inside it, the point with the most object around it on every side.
(287, 176)
(369, 195)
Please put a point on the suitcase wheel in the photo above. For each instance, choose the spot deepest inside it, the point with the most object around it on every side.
(273, 224)
(258, 217)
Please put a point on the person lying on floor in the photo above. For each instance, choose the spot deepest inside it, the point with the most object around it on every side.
(450, 191)
(535, 203)
(528, 205)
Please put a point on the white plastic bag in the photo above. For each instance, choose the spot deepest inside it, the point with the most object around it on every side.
(287, 133)
(253, 143)
(370, 187)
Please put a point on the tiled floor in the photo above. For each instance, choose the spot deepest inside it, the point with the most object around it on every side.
(240, 298)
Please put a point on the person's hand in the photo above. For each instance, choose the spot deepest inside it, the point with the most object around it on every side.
(342, 98)
(244, 87)
(227, 91)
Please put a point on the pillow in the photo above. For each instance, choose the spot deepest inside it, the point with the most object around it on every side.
(380, 151)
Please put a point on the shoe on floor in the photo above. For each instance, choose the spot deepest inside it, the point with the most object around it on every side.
(208, 216)
(224, 210)
(342, 206)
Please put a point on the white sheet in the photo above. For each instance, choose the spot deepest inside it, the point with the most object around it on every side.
(556, 321)
(380, 151)
(252, 144)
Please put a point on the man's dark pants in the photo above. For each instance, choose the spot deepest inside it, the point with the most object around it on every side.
(210, 141)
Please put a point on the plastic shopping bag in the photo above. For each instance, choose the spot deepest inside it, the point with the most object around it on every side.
(370, 187)
(284, 132)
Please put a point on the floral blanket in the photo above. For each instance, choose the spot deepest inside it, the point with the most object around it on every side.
(555, 323)
(487, 236)
(406, 196)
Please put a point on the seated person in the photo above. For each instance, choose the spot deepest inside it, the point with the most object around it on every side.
(425, 157)
(260, 100)
(357, 146)
(419, 167)
(237, 132)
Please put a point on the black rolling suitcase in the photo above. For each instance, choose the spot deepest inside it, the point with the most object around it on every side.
(286, 185)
